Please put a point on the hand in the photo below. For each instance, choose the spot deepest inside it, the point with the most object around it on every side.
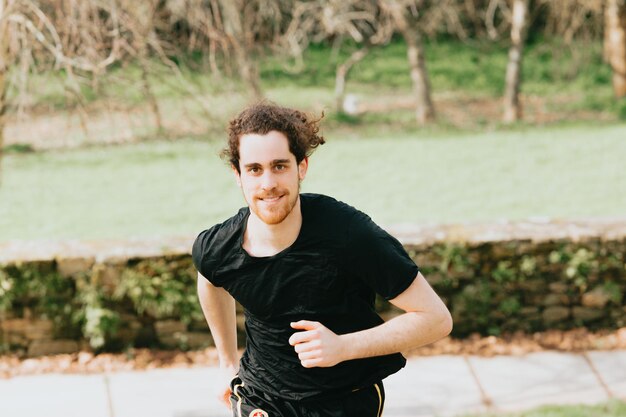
(224, 396)
(316, 345)
(226, 377)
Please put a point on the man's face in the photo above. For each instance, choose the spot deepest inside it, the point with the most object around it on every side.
(270, 176)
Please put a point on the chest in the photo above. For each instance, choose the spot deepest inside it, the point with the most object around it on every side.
(299, 283)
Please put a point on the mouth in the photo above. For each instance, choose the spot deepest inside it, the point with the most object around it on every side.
(271, 199)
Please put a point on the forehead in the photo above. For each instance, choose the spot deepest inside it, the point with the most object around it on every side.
(258, 148)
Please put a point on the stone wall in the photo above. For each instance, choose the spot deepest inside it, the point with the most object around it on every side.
(108, 295)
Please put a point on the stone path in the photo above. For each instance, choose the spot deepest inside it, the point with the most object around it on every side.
(428, 387)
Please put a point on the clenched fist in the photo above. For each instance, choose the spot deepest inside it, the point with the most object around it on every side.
(316, 345)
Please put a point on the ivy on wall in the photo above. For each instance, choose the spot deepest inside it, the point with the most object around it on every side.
(490, 288)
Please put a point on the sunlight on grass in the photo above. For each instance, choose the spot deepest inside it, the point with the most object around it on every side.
(612, 408)
(168, 188)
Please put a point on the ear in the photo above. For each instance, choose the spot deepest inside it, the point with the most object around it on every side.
(302, 168)
(236, 174)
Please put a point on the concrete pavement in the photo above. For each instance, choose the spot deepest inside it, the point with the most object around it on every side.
(428, 387)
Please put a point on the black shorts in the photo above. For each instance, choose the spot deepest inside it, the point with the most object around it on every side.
(249, 402)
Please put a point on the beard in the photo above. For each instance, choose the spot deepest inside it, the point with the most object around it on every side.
(274, 212)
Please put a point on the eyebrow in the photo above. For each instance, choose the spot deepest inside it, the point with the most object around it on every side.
(280, 161)
(273, 163)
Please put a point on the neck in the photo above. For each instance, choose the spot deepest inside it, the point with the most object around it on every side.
(262, 239)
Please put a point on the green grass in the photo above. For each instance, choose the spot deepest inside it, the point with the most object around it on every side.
(162, 188)
(612, 408)
(477, 68)
(450, 171)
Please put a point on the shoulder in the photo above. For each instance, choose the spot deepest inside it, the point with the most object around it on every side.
(319, 206)
(333, 212)
(333, 218)
(214, 244)
(326, 215)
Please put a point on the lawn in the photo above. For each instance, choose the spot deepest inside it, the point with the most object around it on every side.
(160, 188)
(610, 409)
(565, 161)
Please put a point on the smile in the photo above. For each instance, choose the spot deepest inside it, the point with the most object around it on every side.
(271, 199)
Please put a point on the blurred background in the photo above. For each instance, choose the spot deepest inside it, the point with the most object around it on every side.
(113, 113)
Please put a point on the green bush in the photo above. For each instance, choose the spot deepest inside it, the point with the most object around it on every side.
(491, 288)
(621, 110)
(81, 306)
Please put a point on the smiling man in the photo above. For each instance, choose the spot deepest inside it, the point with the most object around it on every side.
(306, 268)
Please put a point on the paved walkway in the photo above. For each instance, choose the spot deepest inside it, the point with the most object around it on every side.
(428, 386)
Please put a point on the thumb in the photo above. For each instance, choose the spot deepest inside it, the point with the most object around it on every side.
(305, 325)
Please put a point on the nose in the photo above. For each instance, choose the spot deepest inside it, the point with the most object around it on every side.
(268, 181)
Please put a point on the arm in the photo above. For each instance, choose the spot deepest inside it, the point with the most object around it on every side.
(426, 320)
(218, 307)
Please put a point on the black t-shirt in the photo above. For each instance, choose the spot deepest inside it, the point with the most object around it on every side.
(330, 274)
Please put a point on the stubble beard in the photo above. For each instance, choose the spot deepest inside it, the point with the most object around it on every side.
(273, 215)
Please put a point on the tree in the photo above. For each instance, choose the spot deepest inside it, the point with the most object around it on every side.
(5, 51)
(241, 44)
(36, 37)
(405, 23)
(24, 29)
(615, 43)
(512, 104)
(361, 21)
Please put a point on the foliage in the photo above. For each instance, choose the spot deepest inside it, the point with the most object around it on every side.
(81, 304)
(98, 322)
(477, 68)
(490, 288)
(37, 288)
(621, 110)
(161, 289)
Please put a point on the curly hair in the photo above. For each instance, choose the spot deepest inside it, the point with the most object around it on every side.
(260, 118)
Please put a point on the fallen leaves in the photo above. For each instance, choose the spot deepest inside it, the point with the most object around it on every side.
(143, 359)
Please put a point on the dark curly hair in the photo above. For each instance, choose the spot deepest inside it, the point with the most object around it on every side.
(260, 118)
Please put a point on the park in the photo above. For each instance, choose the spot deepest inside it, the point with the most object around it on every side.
(487, 136)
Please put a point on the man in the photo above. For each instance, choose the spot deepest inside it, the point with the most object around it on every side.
(306, 269)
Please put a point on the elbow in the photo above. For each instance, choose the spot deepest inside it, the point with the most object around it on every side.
(442, 323)
(446, 324)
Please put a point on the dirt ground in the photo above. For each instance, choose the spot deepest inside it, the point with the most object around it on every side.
(141, 359)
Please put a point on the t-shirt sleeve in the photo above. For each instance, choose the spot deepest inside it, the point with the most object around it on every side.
(378, 258)
(200, 253)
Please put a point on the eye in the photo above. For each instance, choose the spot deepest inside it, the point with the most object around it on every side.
(254, 170)
(280, 167)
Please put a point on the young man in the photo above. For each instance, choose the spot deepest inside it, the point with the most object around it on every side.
(306, 268)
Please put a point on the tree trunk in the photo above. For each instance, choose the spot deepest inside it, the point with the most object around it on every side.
(147, 89)
(424, 111)
(512, 104)
(342, 73)
(245, 62)
(615, 44)
(3, 106)
(4, 68)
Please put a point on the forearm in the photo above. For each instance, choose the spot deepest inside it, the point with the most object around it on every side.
(426, 320)
(404, 332)
(219, 311)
